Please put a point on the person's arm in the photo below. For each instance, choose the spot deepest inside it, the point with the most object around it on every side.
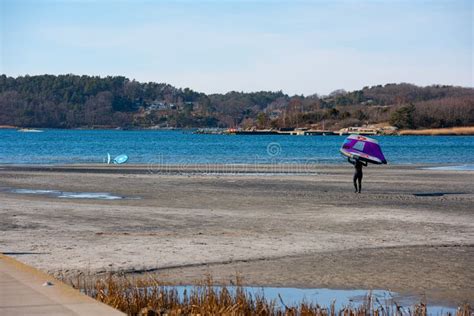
(351, 161)
(364, 163)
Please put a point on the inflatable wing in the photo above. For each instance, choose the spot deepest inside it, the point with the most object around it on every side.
(363, 148)
(120, 159)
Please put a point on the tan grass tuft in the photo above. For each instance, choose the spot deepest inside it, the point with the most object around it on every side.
(148, 296)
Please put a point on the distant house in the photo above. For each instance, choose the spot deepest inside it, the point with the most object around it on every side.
(158, 106)
(161, 106)
(368, 102)
(275, 114)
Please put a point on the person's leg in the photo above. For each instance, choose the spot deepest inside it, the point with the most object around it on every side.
(360, 181)
(355, 181)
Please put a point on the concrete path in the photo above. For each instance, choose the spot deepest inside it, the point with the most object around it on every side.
(22, 292)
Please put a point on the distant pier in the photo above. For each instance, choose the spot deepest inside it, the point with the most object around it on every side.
(292, 131)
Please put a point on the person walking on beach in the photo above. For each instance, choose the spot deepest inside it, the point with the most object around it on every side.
(358, 164)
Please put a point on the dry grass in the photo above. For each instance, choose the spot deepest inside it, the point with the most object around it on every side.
(147, 296)
(467, 130)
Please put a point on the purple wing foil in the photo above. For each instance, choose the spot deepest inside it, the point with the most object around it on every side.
(364, 148)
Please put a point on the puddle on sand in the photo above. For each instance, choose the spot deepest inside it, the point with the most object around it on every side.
(452, 168)
(71, 195)
(29, 191)
(89, 195)
(325, 297)
(431, 194)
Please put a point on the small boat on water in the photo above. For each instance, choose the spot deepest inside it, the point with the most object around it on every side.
(30, 130)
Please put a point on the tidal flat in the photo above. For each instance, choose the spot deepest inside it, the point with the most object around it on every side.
(411, 230)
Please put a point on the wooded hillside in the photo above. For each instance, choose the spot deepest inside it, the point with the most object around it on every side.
(71, 101)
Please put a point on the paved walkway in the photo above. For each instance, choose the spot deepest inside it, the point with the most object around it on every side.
(22, 293)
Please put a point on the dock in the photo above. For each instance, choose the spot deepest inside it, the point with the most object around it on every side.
(365, 131)
(25, 290)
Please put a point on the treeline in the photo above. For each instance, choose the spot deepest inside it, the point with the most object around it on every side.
(71, 101)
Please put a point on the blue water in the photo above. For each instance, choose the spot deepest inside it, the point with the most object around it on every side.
(183, 147)
(325, 297)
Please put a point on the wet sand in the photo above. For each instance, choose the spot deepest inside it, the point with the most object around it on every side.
(410, 231)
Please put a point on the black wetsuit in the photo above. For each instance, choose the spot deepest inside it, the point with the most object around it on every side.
(358, 164)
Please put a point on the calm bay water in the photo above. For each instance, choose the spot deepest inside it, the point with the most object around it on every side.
(182, 147)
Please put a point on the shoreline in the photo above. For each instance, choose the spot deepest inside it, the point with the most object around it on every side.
(263, 165)
(448, 131)
(410, 231)
(225, 169)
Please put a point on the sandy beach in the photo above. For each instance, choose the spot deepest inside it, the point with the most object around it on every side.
(411, 230)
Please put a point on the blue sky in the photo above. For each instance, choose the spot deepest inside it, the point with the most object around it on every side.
(300, 47)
